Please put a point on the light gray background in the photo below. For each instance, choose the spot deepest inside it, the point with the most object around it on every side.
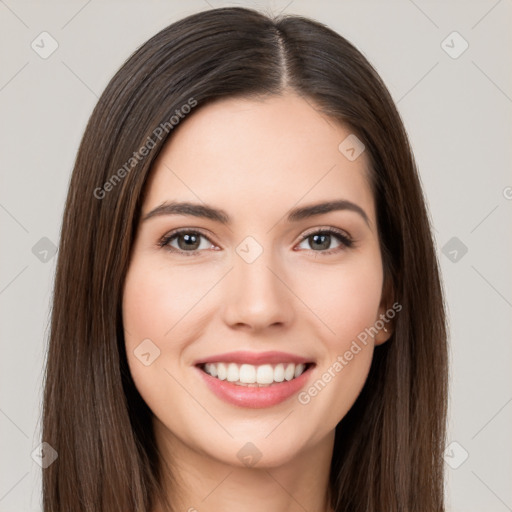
(458, 115)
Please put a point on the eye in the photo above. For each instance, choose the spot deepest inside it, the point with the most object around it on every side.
(321, 241)
(186, 241)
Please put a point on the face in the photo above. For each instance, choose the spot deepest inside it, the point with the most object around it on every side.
(256, 322)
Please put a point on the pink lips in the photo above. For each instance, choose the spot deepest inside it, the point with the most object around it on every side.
(255, 397)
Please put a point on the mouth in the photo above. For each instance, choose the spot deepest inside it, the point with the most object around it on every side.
(253, 380)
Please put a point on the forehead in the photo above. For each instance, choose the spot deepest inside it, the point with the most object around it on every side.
(246, 155)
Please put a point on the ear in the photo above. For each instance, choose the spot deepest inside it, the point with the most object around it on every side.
(384, 322)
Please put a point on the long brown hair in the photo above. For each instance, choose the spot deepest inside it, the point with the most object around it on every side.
(388, 448)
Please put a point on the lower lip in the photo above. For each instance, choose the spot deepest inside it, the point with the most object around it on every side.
(255, 397)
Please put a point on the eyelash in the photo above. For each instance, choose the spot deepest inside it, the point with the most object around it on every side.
(345, 240)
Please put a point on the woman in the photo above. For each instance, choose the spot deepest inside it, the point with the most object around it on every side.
(247, 308)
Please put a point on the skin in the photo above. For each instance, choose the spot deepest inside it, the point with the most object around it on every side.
(255, 159)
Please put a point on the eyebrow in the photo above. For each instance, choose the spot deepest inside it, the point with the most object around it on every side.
(219, 215)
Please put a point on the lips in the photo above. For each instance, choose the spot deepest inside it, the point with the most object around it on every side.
(255, 380)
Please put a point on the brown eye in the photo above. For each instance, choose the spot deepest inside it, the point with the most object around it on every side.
(321, 241)
(186, 241)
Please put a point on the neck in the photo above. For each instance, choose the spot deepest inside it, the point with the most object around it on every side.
(200, 483)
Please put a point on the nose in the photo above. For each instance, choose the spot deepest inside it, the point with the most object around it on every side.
(257, 295)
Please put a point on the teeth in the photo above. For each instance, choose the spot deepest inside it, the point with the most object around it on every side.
(211, 369)
(299, 369)
(222, 371)
(279, 373)
(289, 372)
(246, 374)
(233, 372)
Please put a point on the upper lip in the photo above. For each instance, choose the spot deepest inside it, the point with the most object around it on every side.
(254, 358)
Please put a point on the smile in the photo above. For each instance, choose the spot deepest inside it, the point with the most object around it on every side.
(255, 380)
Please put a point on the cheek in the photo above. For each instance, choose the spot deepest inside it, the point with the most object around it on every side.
(150, 311)
(161, 305)
(152, 305)
(345, 298)
(347, 301)
(157, 300)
